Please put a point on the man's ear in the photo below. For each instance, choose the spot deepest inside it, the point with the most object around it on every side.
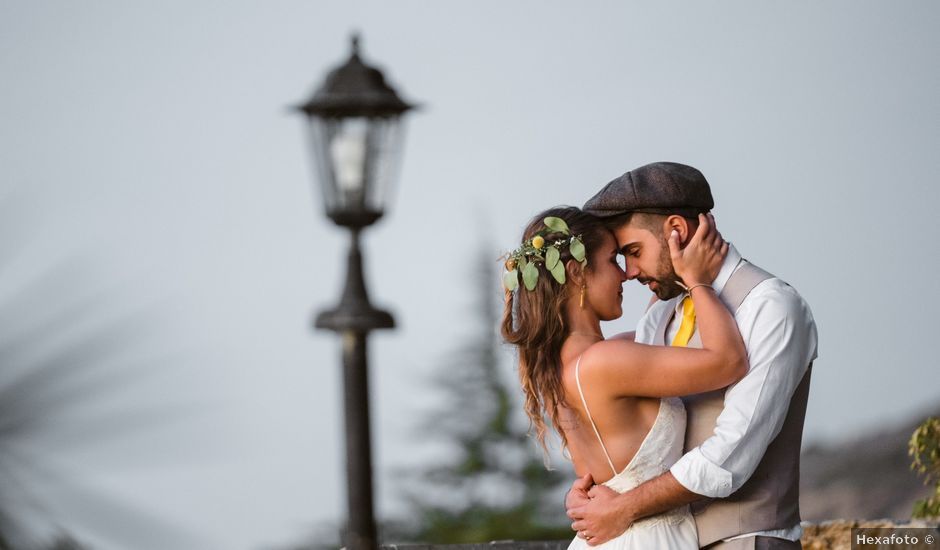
(680, 224)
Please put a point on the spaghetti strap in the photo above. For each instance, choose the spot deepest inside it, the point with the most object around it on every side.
(577, 379)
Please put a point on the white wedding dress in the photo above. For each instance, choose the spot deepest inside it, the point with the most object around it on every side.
(662, 447)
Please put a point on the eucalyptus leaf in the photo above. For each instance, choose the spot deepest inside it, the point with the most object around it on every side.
(530, 275)
(511, 280)
(552, 257)
(521, 263)
(557, 224)
(577, 249)
(559, 273)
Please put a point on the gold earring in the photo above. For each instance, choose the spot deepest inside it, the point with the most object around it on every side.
(583, 288)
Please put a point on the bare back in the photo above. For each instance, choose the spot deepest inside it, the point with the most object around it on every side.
(622, 424)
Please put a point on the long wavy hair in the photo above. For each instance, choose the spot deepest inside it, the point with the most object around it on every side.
(535, 321)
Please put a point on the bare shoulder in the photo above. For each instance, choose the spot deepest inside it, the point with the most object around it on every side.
(608, 355)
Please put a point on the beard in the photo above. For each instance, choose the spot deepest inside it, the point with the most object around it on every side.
(667, 286)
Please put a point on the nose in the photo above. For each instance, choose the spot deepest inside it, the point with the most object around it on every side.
(632, 271)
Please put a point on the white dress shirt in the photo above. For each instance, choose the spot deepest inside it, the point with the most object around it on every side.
(780, 335)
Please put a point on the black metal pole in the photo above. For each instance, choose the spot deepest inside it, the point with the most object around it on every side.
(355, 90)
(361, 532)
(353, 319)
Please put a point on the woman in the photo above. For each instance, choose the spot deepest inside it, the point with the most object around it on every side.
(613, 401)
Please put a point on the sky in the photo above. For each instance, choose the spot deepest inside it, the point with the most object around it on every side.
(157, 200)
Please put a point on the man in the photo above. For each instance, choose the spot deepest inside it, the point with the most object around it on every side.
(740, 472)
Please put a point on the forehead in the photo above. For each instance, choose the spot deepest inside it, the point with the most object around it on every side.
(631, 234)
(610, 241)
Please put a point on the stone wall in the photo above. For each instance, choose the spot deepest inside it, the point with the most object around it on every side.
(827, 535)
(837, 534)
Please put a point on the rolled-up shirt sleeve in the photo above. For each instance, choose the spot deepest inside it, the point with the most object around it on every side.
(780, 336)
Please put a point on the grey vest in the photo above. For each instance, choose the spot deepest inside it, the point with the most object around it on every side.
(771, 497)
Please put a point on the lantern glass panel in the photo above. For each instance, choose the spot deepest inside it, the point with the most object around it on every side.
(357, 160)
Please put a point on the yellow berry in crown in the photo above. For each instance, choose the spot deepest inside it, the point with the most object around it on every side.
(538, 242)
(510, 264)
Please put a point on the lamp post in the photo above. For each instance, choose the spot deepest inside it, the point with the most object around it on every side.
(355, 121)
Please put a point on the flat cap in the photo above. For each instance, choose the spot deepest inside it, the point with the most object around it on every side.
(657, 188)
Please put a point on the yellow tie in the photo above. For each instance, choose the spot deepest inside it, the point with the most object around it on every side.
(688, 324)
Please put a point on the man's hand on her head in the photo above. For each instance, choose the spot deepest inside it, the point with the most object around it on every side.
(578, 494)
(602, 517)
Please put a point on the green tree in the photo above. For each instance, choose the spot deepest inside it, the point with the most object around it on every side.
(924, 448)
(496, 485)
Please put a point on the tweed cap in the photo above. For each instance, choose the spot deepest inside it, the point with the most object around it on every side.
(657, 188)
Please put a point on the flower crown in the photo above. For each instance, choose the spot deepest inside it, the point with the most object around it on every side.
(536, 250)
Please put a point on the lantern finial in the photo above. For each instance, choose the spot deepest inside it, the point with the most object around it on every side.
(354, 40)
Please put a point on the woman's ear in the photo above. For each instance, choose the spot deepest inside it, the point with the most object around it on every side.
(680, 224)
(574, 272)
